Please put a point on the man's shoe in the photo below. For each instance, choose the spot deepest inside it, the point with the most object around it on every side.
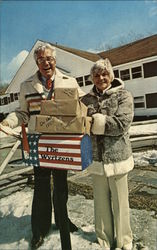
(96, 241)
(36, 242)
(72, 227)
(54, 227)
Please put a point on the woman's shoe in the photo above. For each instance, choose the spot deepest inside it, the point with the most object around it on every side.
(128, 246)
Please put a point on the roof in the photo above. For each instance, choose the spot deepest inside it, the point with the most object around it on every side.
(84, 54)
(146, 47)
(133, 51)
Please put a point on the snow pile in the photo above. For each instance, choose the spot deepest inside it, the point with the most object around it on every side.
(15, 213)
(15, 223)
(145, 129)
(145, 158)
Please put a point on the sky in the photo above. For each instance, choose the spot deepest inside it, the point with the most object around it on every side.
(86, 25)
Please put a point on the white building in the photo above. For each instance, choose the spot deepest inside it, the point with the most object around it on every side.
(135, 63)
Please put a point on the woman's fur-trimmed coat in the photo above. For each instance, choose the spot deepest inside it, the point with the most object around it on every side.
(113, 147)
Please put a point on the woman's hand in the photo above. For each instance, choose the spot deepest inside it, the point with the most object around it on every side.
(98, 124)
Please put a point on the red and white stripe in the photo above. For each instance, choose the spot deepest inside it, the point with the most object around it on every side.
(35, 104)
(60, 151)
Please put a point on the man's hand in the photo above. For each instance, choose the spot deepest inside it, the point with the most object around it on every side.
(4, 123)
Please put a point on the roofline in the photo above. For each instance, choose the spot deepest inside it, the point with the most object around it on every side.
(137, 61)
(67, 49)
(127, 44)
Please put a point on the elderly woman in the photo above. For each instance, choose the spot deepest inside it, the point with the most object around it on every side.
(111, 107)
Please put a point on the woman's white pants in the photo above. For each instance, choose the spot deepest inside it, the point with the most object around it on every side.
(112, 220)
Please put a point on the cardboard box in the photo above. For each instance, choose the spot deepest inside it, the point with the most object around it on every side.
(62, 107)
(66, 93)
(63, 125)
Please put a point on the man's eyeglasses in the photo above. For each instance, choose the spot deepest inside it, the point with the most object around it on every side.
(45, 59)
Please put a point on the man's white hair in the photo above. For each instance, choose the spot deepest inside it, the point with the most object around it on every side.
(102, 64)
(42, 47)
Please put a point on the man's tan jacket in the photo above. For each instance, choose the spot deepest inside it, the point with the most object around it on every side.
(31, 95)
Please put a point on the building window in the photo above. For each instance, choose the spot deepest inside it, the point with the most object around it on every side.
(1, 101)
(116, 73)
(151, 100)
(139, 102)
(87, 80)
(9, 99)
(16, 96)
(125, 74)
(136, 72)
(139, 105)
(5, 100)
(80, 81)
(150, 69)
(12, 97)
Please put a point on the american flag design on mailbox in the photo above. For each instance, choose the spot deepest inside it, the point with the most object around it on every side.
(68, 152)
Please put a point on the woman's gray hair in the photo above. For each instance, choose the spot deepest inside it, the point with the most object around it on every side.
(42, 47)
(102, 64)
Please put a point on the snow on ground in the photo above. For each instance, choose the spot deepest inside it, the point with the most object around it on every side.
(144, 129)
(15, 214)
(145, 158)
(15, 224)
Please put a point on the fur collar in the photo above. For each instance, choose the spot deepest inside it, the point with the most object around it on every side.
(116, 85)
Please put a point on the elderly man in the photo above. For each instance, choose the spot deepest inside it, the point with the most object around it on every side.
(38, 87)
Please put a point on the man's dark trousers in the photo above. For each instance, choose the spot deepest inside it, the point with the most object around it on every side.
(42, 204)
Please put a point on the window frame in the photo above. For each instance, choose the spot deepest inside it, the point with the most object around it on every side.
(139, 100)
(148, 96)
(126, 69)
(80, 80)
(137, 72)
(146, 73)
